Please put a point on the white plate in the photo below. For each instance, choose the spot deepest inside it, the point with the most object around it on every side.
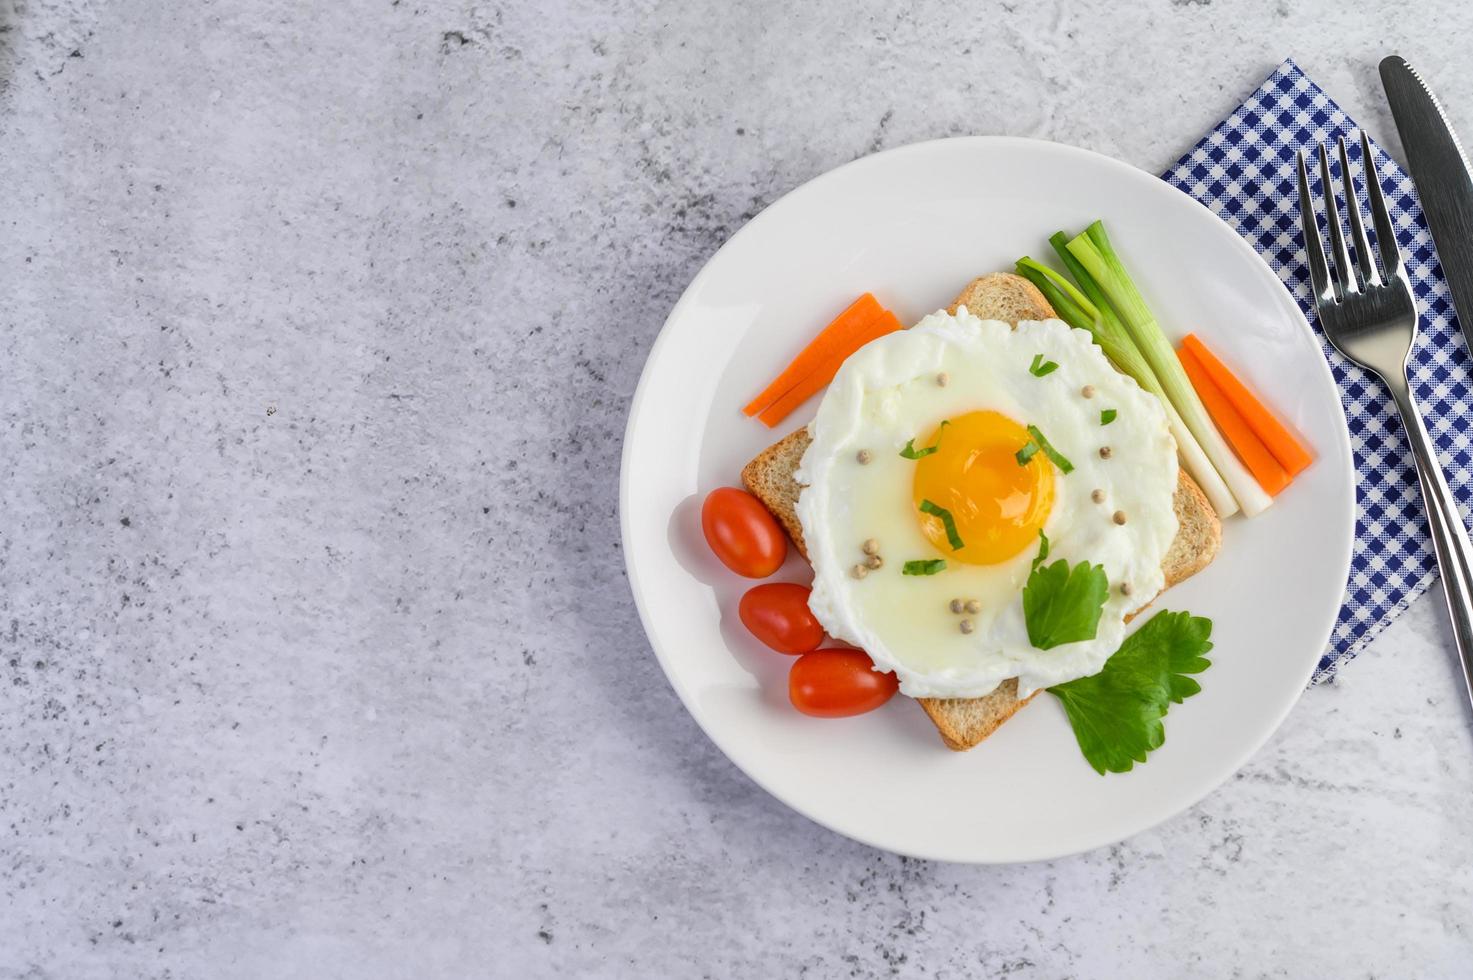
(913, 225)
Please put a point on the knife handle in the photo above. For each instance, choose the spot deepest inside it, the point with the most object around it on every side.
(1449, 533)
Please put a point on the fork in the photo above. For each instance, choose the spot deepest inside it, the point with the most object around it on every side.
(1369, 314)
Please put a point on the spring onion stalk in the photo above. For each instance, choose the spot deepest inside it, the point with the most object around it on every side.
(1091, 289)
(1069, 303)
(1113, 339)
(1094, 252)
(1099, 320)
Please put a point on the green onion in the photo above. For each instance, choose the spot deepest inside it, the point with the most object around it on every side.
(1068, 302)
(1029, 450)
(925, 566)
(1042, 548)
(1039, 368)
(911, 452)
(1107, 329)
(935, 510)
(1048, 450)
(1089, 309)
(1112, 336)
(1094, 252)
(1108, 416)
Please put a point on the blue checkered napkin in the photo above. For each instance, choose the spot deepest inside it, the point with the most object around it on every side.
(1244, 170)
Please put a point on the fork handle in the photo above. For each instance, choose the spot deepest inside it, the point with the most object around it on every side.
(1449, 534)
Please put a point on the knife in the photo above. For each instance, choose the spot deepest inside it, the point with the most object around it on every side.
(1444, 181)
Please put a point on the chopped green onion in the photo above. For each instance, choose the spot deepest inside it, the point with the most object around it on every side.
(1108, 416)
(1040, 367)
(935, 510)
(925, 566)
(1048, 450)
(1029, 450)
(1042, 548)
(1094, 252)
(911, 452)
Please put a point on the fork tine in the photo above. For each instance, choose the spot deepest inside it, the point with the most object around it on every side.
(1345, 283)
(1385, 234)
(1319, 275)
(1363, 254)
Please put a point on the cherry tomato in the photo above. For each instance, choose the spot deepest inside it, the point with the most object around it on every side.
(743, 534)
(777, 614)
(838, 683)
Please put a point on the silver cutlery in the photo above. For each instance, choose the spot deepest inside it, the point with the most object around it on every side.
(1444, 181)
(1368, 313)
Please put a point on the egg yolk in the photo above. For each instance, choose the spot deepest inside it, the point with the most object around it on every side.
(998, 506)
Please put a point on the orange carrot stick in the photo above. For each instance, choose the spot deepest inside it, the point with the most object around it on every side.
(838, 335)
(1267, 470)
(1283, 444)
(814, 382)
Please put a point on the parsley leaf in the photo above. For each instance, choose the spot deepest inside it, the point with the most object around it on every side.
(1116, 714)
(1048, 450)
(924, 566)
(1108, 416)
(1040, 367)
(1062, 604)
(911, 452)
(936, 510)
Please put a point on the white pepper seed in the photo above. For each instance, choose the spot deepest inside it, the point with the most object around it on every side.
(1088, 391)
(943, 379)
(859, 571)
(1119, 517)
(966, 626)
(1125, 588)
(957, 606)
(870, 546)
(1098, 496)
(1106, 452)
(874, 561)
(973, 606)
(864, 456)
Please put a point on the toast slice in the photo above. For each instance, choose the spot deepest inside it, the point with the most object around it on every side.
(964, 722)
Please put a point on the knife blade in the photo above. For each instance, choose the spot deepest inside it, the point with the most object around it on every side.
(1439, 167)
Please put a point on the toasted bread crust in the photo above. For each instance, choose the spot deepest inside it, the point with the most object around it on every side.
(770, 479)
(1003, 296)
(965, 722)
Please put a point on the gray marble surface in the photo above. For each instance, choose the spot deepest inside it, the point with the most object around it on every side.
(319, 325)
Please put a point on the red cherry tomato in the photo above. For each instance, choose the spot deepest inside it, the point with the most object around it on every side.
(777, 614)
(743, 534)
(838, 683)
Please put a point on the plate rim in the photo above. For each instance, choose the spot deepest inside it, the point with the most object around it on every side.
(1342, 558)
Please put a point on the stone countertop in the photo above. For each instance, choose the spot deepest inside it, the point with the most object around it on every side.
(320, 324)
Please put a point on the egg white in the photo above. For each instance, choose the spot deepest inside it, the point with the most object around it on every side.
(887, 393)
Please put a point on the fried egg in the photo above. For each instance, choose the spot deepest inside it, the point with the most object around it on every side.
(921, 454)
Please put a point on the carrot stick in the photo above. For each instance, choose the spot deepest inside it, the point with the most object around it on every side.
(1267, 470)
(838, 335)
(1285, 446)
(814, 382)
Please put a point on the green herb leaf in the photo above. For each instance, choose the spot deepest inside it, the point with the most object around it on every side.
(1048, 450)
(911, 452)
(925, 566)
(935, 510)
(1029, 450)
(1040, 367)
(1042, 549)
(1116, 714)
(1062, 604)
(1107, 416)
